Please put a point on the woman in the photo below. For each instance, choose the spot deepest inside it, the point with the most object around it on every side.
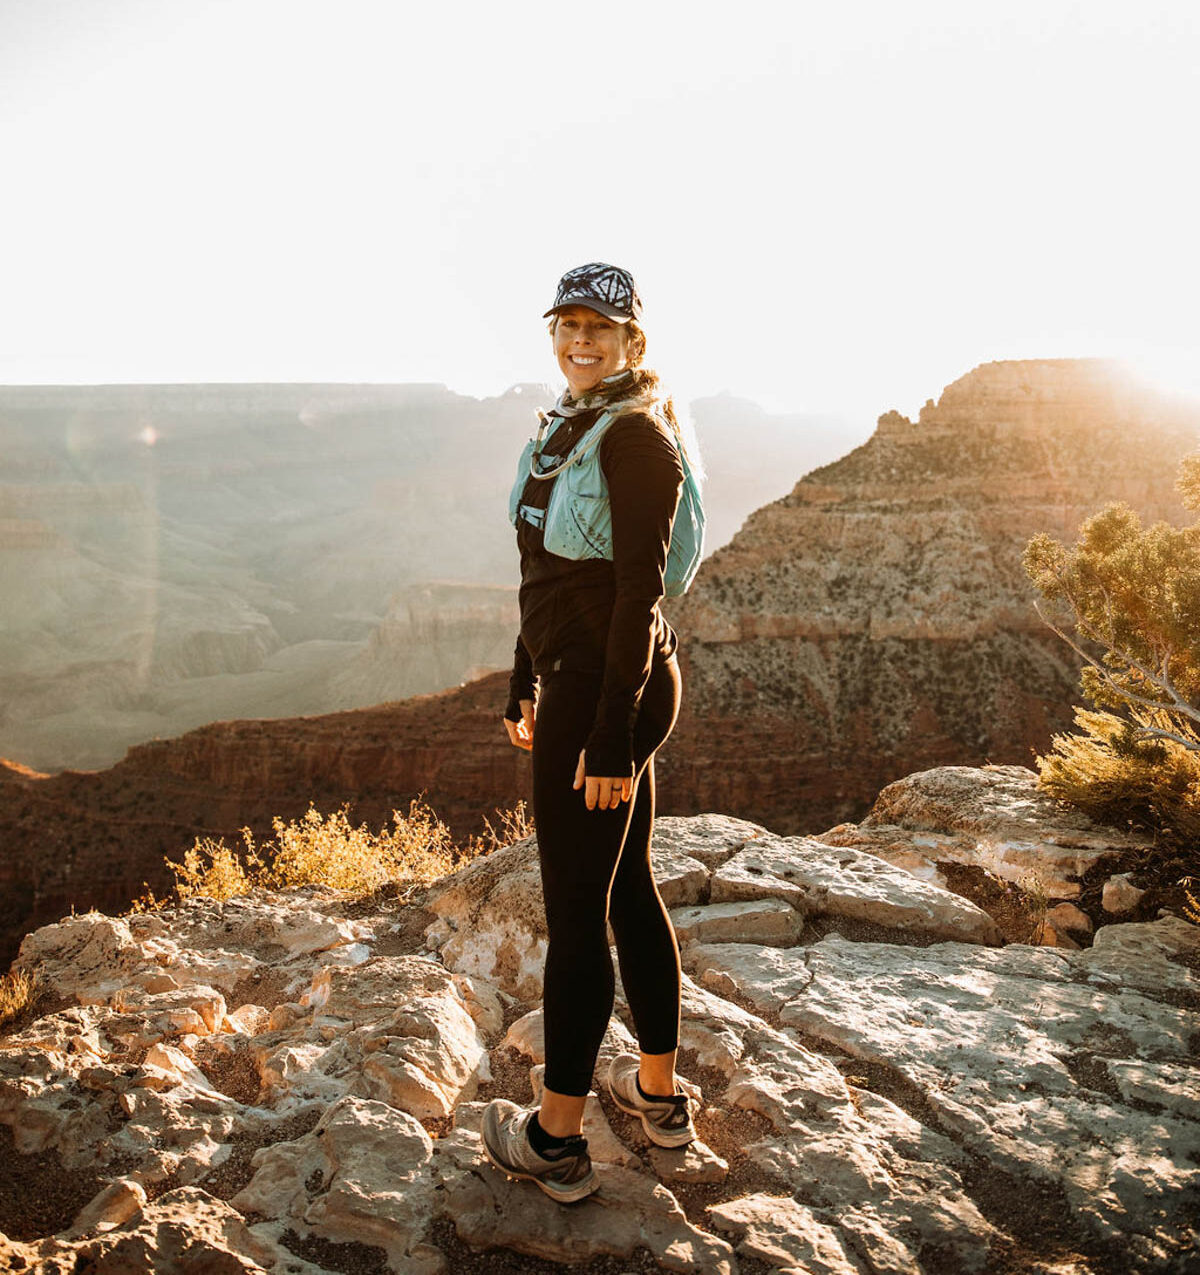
(604, 657)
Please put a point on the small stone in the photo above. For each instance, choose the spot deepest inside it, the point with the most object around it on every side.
(1120, 895)
(1049, 935)
(114, 1205)
(283, 1016)
(252, 1020)
(1067, 918)
(693, 1163)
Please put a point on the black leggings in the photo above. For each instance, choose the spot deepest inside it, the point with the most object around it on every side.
(596, 868)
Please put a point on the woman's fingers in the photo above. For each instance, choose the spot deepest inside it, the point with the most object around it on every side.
(519, 734)
(602, 792)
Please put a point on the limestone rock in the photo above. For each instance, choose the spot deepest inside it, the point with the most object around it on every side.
(766, 977)
(630, 1211)
(694, 1163)
(112, 1206)
(766, 921)
(1002, 1053)
(184, 1232)
(1068, 919)
(842, 882)
(878, 1088)
(709, 839)
(422, 1057)
(1120, 895)
(363, 1175)
(777, 1230)
(497, 920)
(993, 817)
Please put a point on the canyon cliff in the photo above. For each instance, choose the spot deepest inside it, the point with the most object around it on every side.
(877, 619)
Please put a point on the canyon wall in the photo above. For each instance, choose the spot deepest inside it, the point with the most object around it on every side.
(877, 620)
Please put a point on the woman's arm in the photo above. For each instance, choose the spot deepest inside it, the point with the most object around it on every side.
(644, 476)
(519, 713)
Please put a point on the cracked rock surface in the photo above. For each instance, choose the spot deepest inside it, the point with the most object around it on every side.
(293, 1083)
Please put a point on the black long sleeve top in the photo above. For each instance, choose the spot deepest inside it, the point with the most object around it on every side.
(594, 615)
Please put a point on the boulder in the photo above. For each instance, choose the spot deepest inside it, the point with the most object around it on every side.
(991, 817)
(823, 880)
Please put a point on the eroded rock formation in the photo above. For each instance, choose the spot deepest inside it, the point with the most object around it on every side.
(877, 620)
(293, 1082)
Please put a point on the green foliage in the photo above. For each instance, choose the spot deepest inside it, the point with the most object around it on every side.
(1132, 596)
(1127, 599)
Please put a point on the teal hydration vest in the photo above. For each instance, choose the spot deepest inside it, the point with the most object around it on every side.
(577, 521)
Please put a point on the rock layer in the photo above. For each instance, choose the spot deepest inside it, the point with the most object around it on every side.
(877, 620)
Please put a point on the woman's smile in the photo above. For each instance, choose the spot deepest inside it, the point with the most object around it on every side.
(589, 347)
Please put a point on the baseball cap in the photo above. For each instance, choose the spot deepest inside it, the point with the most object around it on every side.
(608, 290)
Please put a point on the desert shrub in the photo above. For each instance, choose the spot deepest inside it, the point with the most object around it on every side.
(1108, 768)
(316, 849)
(1126, 598)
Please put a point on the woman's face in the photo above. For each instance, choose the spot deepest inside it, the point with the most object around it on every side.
(588, 347)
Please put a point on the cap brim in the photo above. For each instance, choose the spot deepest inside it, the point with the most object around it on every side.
(590, 303)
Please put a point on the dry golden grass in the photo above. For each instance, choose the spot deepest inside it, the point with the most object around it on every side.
(18, 988)
(1117, 777)
(413, 851)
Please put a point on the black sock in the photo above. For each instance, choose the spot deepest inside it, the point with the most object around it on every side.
(653, 1097)
(546, 1144)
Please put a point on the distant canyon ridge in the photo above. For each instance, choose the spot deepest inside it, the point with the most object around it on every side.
(172, 555)
(873, 622)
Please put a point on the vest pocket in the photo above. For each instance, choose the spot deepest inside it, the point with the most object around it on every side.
(582, 525)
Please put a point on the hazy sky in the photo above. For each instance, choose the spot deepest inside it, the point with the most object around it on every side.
(827, 206)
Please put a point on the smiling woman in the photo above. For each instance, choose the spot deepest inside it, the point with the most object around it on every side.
(589, 347)
(594, 504)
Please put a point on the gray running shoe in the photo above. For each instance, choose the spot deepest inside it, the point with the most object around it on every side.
(505, 1133)
(667, 1124)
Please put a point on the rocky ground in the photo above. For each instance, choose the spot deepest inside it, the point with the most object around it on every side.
(293, 1082)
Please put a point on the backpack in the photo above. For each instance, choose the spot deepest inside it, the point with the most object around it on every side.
(577, 521)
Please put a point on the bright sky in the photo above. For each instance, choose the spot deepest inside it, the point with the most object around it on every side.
(826, 206)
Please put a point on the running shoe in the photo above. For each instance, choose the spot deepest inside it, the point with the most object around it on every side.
(667, 1122)
(567, 1177)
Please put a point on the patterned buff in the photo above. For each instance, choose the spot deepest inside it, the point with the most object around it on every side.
(609, 393)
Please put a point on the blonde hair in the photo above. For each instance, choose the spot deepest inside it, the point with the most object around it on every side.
(646, 385)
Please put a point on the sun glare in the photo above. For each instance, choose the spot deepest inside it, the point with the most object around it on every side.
(1174, 371)
(149, 436)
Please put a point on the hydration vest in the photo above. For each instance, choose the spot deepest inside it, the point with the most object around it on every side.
(577, 521)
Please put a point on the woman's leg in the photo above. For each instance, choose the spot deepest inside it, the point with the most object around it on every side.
(646, 945)
(580, 850)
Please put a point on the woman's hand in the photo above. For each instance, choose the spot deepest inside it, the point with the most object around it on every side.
(520, 734)
(607, 793)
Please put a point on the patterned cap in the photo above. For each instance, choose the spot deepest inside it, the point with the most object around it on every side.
(608, 290)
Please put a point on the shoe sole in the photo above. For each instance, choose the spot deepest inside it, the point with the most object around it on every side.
(670, 1141)
(569, 1195)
